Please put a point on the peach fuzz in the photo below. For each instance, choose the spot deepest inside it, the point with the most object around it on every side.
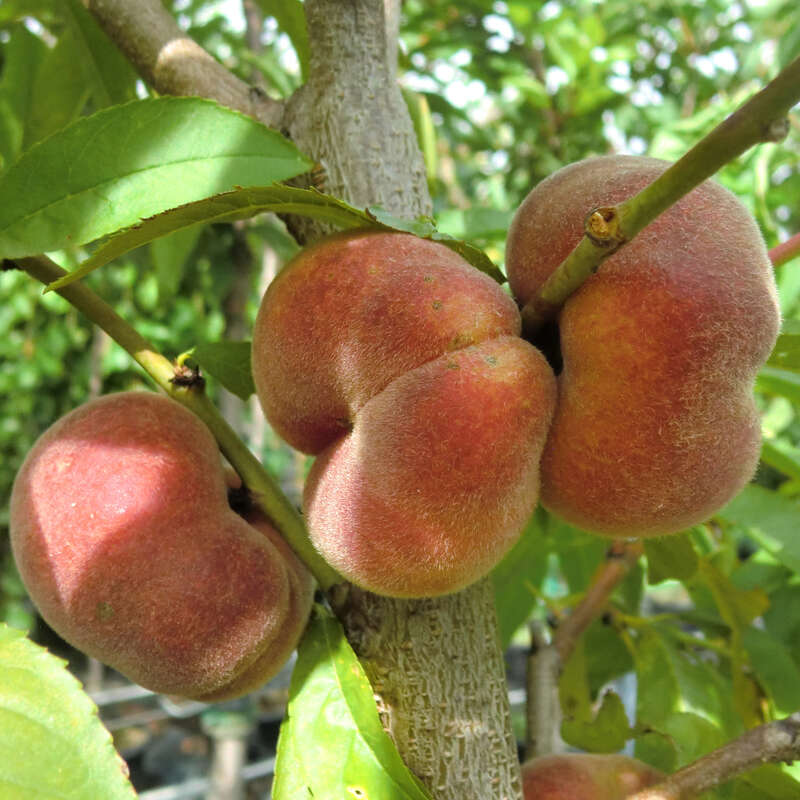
(400, 365)
(439, 474)
(655, 426)
(586, 776)
(354, 311)
(123, 535)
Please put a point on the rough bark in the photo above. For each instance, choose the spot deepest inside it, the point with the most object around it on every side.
(435, 664)
(439, 679)
(350, 116)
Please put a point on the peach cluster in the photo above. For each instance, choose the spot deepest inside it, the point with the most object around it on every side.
(400, 366)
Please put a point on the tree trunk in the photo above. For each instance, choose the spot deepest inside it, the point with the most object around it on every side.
(435, 664)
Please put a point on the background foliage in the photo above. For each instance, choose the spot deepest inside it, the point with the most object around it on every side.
(502, 94)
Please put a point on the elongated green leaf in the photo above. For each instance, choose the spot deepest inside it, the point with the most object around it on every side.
(786, 352)
(169, 255)
(109, 170)
(291, 19)
(236, 204)
(59, 91)
(426, 228)
(774, 669)
(244, 203)
(52, 744)
(422, 120)
(783, 456)
(22, 56)
(105, 69)
(331, 742)
(229, 363)
(769, 782)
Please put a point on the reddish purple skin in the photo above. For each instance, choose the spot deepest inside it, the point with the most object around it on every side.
(439, 474)
(400, 365)
(353, 312)
(655, 426)
(123, 536)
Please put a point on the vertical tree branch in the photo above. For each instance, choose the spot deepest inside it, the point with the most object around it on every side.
(435, 664)
(543, 706)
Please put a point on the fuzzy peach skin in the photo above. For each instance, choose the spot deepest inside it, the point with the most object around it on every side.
(585, 776)
(354, 311)
(655, 427)
(123, 536)
(301, 597)
(439, 474)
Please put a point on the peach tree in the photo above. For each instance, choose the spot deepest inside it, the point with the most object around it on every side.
(147, 150)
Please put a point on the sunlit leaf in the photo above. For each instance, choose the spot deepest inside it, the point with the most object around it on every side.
(517, 576)
(331, 743)
(229, 363)
(670, 557)
(109, 170)
(51, 741)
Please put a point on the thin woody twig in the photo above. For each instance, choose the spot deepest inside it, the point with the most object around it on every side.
(546, 659)
(620, 557)
(266, 493)
(785, 251)
(770, 743)
(760, 119)
(172, 63)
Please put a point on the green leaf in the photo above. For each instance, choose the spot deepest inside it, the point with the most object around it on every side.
(291, 19)
(244, 203)
(774, 669)
(226, 207)
(659, 694)
(694, 736)
(772, 520)
(169, 255)
(786, 352)
(606, 732)
(426, 228)
(782, 456)
(111, 169)
(106, 71)
(59, 91)
(769, 782)
(21, 59)
(773, 380)
(229, 363)
(670, 557)
(420, 113)
(331, 742)
(579, 553)
(738, 607)
(52, 744)
(517, 576)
